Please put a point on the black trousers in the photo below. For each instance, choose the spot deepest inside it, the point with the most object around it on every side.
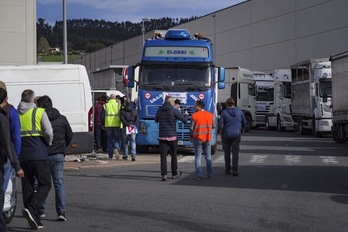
(163, 146)
(40, 170)
(231, 145)
(3, 227)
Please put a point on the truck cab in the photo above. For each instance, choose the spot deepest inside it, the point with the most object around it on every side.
(279, 117)
(311, 96)
(264, 96)
(240, 85)
(179, 66)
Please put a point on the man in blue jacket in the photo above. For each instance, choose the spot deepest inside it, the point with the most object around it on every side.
(231, 124)
(15, 133)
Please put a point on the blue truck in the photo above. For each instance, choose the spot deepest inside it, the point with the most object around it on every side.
(179, 66)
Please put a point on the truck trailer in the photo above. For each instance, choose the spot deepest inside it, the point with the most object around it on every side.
(179, 66)
(240, 85)
(311, 96)
(339, 97)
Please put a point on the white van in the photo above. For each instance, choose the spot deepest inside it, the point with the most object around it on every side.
(69, 88)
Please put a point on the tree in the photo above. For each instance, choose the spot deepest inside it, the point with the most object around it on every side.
(43, 46)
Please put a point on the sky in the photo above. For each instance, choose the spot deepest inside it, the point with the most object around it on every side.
(128, 10)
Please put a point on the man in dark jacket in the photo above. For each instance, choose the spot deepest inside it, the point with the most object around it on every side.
(129, 118)
(7, 152)
(166, 116)
(62, 136)
(99, 133)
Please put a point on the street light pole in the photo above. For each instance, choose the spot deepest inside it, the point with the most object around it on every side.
(143, 27)
(65, 37)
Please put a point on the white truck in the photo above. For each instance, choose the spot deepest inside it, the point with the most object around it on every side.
(68, 87)
(311, 96)
(279, 117)
(240, 85)
(339, 97)
(264, 96)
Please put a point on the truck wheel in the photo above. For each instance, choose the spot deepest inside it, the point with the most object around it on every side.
(270, 128)
(143, 149)
(279, 125)
(249, 123)
(336, 135)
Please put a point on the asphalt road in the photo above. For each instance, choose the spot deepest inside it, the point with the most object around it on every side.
(287, 182)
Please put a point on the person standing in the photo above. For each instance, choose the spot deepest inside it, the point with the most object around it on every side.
(62, 136)
(7, 152)
(166, 116)
(202, 125)
(99, 133)
(15, 132)
(129, 119)
(37, 135)
(112, 123)
(232, 124)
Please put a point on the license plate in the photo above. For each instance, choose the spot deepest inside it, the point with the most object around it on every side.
(180, 142)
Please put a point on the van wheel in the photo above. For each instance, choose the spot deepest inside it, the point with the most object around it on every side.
(143, 149)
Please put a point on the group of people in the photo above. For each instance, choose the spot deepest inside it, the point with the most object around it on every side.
(33, 140)
(231, 125)
(115, 120)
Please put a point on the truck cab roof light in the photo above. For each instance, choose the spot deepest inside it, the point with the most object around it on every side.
(177, 34)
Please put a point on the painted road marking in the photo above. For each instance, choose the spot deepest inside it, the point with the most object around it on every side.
(258, 159)
(329, 159)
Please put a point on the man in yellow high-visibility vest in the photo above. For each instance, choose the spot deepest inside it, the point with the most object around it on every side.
(113, 125)
(37, 135)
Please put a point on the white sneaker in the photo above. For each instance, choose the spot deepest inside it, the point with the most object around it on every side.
(116, 154)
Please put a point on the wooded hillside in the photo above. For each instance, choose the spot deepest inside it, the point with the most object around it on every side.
(87, 35)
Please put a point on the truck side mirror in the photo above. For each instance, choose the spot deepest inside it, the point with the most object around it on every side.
(221, 78)
(130, 83)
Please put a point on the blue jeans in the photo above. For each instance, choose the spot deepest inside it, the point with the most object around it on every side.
(8, 170)
(128, 140)
(56, 163)
(199, 146)
(114, 135)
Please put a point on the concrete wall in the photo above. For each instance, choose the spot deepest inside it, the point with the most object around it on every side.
(17, 32)
(259, 34)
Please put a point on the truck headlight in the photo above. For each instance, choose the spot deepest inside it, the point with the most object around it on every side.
(142, 127)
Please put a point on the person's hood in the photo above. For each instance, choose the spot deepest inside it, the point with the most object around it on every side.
(52, 113)
(231, 112)
(167, 106)
(128, 108)
(24, 107)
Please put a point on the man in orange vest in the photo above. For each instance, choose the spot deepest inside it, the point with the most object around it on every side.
(201, 130)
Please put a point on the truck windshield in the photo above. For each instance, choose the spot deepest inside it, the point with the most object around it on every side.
(178, 77)
(325, 87)
(265, 94)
